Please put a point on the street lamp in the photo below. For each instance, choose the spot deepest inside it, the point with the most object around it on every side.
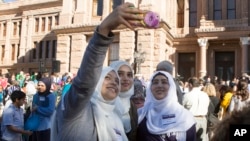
(139, 57)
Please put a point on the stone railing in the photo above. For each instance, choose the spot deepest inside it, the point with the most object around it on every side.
(224, 23)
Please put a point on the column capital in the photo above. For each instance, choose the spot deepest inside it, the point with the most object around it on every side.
(203, 42)
(244, 40)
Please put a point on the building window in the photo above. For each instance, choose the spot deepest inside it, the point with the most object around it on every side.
(113, 52)
(231, 10)
(41, 50)
(4, 29)
(3, 52)
(34, 50)
(13, 50)
(20, 28)
(217, 10)
(18, 51)
(180, 14)
(97, 7)
(15, 28)
(37, 25)
(56, 20)
(49, 23)
(54, 44)
(47, 49)
(43, 24)
(193, 13)
(115, 3)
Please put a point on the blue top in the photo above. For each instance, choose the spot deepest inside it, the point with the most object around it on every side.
(12, 116)
(45, 107)
(66, 88)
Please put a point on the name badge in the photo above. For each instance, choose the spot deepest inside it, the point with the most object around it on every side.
(41, 98)
(168, 119)
(118, 135)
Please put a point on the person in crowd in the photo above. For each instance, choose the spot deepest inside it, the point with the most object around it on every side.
(2, 93)
(241, 98)
(222, 131)
(13, 87)
(66, 86)
(213, 108)
(126, 107)
(168, 67)
(12, 122)
(43, 105)
(138, 98)
(162, 117)
(226, 96)
(197, 102)
(89, 106)
(20, 77)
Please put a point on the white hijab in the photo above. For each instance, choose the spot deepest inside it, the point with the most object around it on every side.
(108, 123)
(166, 115)
(124, 97)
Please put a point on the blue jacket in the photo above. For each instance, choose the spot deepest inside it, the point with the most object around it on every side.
(45, 108)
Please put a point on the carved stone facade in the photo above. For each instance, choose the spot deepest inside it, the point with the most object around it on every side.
(196, 38)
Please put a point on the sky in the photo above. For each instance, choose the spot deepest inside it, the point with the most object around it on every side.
(6, 1)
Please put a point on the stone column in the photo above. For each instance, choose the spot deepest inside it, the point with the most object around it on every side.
(63, 54)
(203, 43)
(127, 45)
(1, 31)
(146, 37)
(80, 13)
(29, 41)
(7, 55)
(244, 53)
(186, 16)
(23, 39)
(106, 8)
(66, 14)
(160, 45)
(78, 48)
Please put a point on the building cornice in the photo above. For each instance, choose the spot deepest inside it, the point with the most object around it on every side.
(20, 6)
(90, 27)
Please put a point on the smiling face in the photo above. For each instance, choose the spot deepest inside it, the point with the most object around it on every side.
(110, 86)
(126, 76)
(160, 86)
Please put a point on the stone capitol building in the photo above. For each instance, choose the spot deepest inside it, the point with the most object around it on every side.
(200, 37)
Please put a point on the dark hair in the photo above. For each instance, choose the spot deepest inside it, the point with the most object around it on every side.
(17, 95)
(223, 90)
(243, 89)
(194, 81)
(159, 73)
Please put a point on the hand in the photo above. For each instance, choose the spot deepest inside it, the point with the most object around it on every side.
(124, 14)
(28, 133)
(33, 108)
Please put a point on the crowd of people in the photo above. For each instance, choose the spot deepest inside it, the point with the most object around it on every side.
(111, 104)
